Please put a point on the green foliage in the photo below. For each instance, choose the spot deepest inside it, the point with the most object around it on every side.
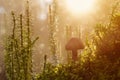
(59, 72)
(108, 39)
(52, 30)
(18, 47)
(100, 59)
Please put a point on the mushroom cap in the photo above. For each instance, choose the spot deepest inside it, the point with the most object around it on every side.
(74, 44)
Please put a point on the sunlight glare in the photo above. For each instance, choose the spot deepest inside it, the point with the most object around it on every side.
(42, 16)
(80, 6)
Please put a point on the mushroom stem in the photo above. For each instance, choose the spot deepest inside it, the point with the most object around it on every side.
(74, 55)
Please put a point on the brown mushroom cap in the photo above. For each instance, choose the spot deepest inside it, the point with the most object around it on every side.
(74, 44)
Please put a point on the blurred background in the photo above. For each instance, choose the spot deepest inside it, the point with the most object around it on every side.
(66, 17)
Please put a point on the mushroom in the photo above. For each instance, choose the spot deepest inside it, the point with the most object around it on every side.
(74, 44)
